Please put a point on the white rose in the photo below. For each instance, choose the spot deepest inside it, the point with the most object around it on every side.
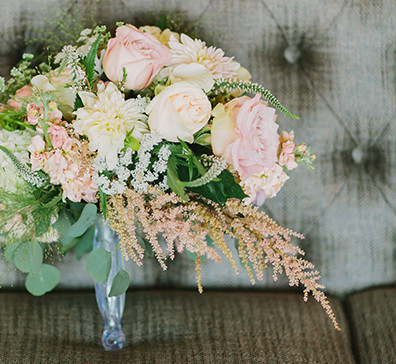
(179, 111)
(194, 73)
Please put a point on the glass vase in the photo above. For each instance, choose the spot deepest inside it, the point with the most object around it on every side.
(111, 308)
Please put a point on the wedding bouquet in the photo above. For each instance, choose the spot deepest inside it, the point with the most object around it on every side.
(154, 131)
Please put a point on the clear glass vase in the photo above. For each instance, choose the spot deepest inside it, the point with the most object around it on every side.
(111, 308)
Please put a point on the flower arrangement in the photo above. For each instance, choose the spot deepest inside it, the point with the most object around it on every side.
(156, 132)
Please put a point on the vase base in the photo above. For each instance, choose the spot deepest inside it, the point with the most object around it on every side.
(113, 340)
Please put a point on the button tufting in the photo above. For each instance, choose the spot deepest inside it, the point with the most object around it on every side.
(292, 54)
(357, 155)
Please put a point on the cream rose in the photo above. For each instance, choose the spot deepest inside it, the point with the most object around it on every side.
(179, 111)
(141, 54)
(244, 133)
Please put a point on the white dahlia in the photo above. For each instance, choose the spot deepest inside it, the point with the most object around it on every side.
(195, 51)
(106, 118)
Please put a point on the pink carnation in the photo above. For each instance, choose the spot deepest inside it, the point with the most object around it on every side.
(58, 135)
(286, 157)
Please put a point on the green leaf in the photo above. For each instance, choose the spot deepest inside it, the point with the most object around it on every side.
(63, 224)
(221, 190)
(10, 251)
(89, 61)
(173, 180)
(78, 102)
(203, 139)
(103, 202)
(99, 264)
(120, 283)
(146, 245)
(28, 257)
(45, 280)
(85, 243)
(41, 221)
(76, 209)
(87, 217)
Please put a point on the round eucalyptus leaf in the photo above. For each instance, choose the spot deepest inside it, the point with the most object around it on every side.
(98, 265)
(42, 282)
(86, 218)
(10, 251)
(120, 283)
(28, 257)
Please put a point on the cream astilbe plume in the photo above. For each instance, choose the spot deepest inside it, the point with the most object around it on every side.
(106, 118)
(185, 226)
(195, 51)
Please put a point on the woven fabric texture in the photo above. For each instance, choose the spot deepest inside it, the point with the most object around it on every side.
(332, 62)
(173, 327)
(372, 317)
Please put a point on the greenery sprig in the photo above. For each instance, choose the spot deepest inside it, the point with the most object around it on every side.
(223, 84)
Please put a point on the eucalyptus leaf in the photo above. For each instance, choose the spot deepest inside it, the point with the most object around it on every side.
(99, 264)
(10, 251)
(120, 283)
(85, 243)
(45, 280)
(62, 225)
(87, 217)
(28, 257)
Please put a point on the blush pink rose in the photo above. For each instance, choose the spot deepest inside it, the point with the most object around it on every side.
(141, 54)
(244, 133)
(58, 135)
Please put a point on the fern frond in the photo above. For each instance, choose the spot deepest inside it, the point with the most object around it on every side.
(218, 166)
(34, 179)
(230, 85)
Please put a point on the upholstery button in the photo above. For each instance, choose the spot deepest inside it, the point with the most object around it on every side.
(292, 54)
(357, 155)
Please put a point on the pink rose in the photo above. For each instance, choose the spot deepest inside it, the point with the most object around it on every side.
(141, 54)
(244, 133)
(58, 135)
(286, 157)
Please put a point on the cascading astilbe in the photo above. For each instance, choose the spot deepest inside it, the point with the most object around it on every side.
(185, 226)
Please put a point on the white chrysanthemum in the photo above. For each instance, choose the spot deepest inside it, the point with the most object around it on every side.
(195, 51)
(17, 142)
(106, 118)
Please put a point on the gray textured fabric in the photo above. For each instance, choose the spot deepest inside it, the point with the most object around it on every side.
(372, 317)
(173, 327)
(332, 62)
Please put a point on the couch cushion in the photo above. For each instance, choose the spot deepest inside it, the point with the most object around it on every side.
(373, 323)
(173, 327)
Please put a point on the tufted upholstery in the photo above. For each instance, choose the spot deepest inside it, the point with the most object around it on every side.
(332, 62)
